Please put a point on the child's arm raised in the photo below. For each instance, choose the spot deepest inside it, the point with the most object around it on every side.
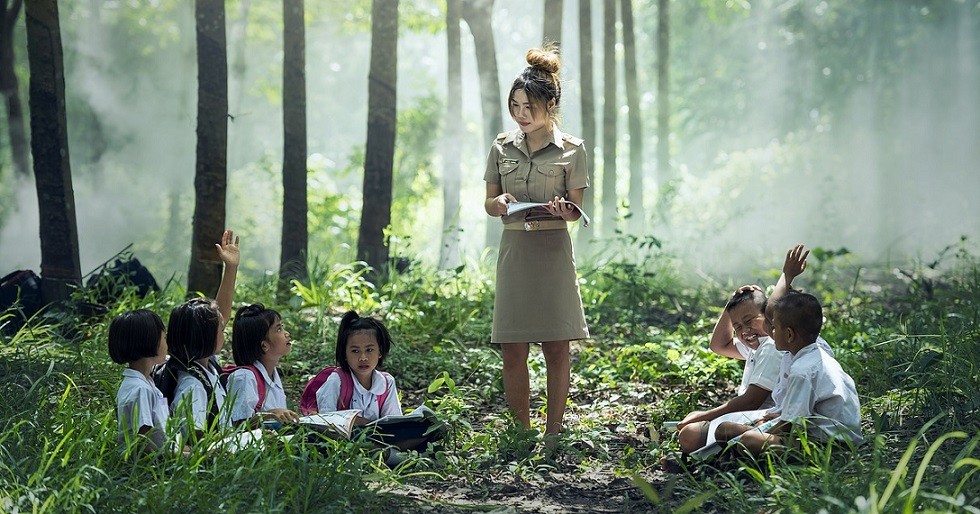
(793, 266)
(229, 253)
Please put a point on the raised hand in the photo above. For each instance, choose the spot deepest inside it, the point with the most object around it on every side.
(795, 262)
(228, 248)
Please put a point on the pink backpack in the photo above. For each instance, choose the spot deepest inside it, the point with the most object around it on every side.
(227, 370)
(307, 402)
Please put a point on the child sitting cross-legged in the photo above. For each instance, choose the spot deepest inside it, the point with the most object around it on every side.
(740, 333)
(818, 395)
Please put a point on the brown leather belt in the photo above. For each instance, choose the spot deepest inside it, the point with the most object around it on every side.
(530, 226)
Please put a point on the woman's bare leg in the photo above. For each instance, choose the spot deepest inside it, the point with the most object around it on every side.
(557, 360)
(517, 388)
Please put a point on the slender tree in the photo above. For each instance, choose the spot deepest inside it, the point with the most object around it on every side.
(294, 208)
(211, 171)
(588, 111)
(478, 15)
(552, 21)
(380, 148)
(663, 98)
(637, 216)
(449, 251)
(49, 144)
(609, 108)
(9, 11)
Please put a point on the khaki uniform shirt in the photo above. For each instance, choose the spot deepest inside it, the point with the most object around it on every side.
(554, 170)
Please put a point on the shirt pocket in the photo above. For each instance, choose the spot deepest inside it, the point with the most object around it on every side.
(548, 181)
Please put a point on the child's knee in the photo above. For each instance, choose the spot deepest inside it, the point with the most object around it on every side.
(693, 436)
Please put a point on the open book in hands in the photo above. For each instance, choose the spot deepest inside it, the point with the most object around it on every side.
(340, 424)
(513, 207)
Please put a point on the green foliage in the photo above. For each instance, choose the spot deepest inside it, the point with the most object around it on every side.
(908, 339)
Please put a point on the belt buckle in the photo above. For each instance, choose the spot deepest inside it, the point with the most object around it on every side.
(531, 225)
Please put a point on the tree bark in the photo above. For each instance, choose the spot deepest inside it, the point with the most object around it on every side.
(211, 170)
(637, 216)
(294, 206)
(451, 181)
(380, 148)
(609, 108)
(588, 113)
(478, 15)
(663, 99)
(10, 90)
(60, 266)
(552, 21)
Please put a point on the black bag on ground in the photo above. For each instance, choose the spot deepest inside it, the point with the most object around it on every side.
(125, 271)
(20, 292)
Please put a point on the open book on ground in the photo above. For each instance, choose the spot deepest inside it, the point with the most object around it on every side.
(712, 446)
(513, 207)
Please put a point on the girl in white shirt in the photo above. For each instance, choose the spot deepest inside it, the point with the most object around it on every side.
(138, 340)
(258, 342)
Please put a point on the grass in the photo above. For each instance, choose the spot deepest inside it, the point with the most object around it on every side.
(908, 338)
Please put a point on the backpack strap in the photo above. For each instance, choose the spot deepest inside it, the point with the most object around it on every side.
(383, 397)
(197, 371)
(259, 381)
(346, 389)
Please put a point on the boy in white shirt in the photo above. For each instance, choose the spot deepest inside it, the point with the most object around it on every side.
(817, 395)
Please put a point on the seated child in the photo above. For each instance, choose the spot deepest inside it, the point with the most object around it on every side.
(137, 339)
(744, 316)
(818, 395)
(362, 346)
(196, 328)
(258, 341)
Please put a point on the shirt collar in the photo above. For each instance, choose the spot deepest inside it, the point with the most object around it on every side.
(265, 373)
(378, 384)
(132, 373)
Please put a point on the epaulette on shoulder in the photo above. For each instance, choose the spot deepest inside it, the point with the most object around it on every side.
(577, 141)
(503, 135)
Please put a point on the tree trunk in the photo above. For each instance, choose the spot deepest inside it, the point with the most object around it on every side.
(294, 208)
(211, 170)
(588, 114)
(637, 216)
(239, 145)
(552, 21)
(380, 148)
(664, 174)
(449, 251)
(9, 88)
(609, 108)
(49, 144)
(478, 15)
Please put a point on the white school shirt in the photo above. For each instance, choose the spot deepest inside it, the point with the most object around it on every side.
(761, 365)
(364, 399)
(779, 390)
(189, 388)
(243, 392)
(821, 393)
(140, 404)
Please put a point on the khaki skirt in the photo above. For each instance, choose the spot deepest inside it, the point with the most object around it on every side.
(537, 297)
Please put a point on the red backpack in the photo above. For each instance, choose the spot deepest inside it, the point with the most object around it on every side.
(227, 370)
(307, 402)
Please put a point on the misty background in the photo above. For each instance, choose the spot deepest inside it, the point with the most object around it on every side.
(839, 124)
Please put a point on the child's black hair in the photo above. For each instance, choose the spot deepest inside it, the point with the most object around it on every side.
(252, 324)
(192, 334)
(134, 335)
(800, 311)
(351, 323)
(757, 297)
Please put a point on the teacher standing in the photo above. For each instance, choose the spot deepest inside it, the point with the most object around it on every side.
(537, 297)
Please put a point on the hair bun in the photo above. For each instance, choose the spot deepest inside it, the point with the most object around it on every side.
(545, 59)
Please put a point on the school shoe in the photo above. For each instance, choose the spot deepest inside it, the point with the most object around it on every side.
(394, 457)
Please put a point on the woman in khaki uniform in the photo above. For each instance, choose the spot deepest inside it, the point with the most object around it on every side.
(537, 297)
